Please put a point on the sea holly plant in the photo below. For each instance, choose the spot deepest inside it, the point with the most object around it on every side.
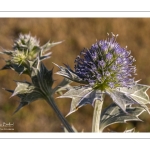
(106, 68)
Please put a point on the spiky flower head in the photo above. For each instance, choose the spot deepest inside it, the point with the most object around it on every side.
(27, 45)
(106, 65)
(27, 53)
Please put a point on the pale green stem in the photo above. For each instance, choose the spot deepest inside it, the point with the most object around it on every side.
(96, 115)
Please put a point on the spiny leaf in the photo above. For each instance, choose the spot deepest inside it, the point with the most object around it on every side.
(30, 97)
(22, 104)
(49, 45)
(75, 91)
(81, 95)
(64, 85)
(114, 114)
(46, 56)
(77, 94)
(68, 73)
(90, 98)
(42, 78)
(138, 93)
(27, 94)
(46, 76)
(15, 67)
(18, 68)
(121, 99)
(22, 87)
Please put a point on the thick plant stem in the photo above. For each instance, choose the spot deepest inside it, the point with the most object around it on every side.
(59, 114)
(96, 115)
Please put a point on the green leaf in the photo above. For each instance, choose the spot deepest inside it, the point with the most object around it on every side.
(40, 88)
(42, 78)
(81, 95)
(77, 94)
(114, 114)
(68, 73)
(27, 93)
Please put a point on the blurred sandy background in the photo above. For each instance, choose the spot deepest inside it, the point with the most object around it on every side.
(77, 33)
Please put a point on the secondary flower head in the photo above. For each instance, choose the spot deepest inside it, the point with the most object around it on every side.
(106, 65)
(27, 53)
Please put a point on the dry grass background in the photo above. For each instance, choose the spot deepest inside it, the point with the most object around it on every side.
(77, 33)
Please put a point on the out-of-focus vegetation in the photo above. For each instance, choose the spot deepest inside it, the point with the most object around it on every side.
(78, 34)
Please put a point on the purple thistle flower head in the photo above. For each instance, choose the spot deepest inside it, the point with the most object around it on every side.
(106, 65)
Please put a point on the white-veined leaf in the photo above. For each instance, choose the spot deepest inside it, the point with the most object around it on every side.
(121, 99)
(137, 93)
(81, 95)
(114, 114)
